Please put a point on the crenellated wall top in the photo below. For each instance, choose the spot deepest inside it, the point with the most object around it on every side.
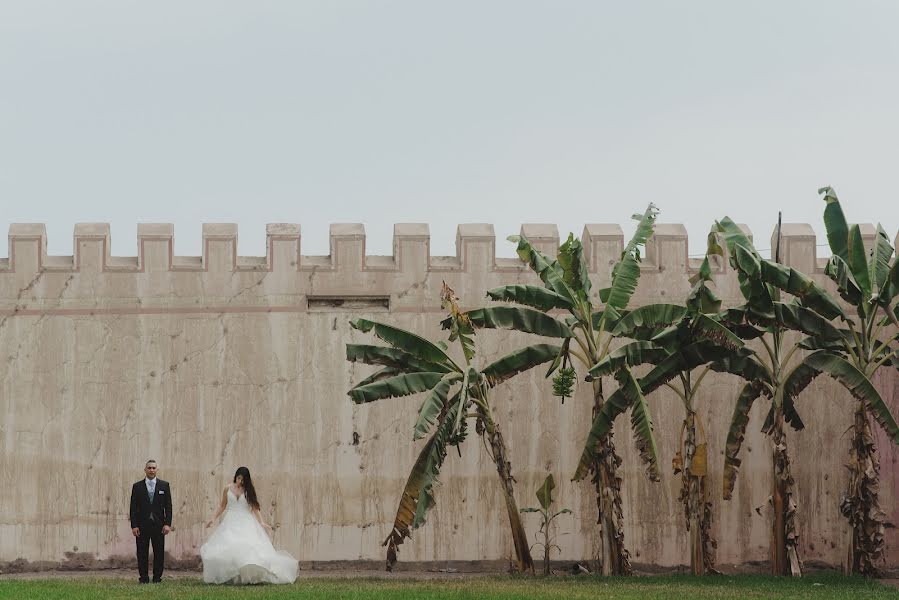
(408, 277)
(475, 248)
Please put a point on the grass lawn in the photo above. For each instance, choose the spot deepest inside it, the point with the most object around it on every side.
(821, 587)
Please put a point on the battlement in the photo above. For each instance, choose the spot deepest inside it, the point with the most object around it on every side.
(407, 276)
(475, 248)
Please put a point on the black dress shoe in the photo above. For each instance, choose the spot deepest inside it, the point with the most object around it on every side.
(157, 580)
(143, 581)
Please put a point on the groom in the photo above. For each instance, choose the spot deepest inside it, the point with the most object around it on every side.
(151, 520)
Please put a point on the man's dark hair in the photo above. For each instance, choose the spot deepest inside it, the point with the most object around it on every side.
(152, 460)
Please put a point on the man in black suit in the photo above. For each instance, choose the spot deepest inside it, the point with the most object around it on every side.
(151, 520)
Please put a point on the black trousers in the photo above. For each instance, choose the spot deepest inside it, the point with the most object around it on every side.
(147, 535)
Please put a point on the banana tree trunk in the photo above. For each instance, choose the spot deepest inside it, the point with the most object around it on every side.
(694, 496)
(785, 533)
(525, 563)
(860, 503)
(614, 559)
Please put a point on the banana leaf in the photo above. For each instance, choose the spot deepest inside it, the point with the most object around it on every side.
(645, 322)
(516, 318)
(530, 295)
(574, 267)
(519, 361)
(703, 327)
(433, 404)
(406, 341)
(549, 271)
(626, 271)
(802, 286)
(741, 362)
(858, 261)
(858, 385)
(701, 298)
(418, 495)
(384, 373)
(835, 224)
(879, 263)
(393, 387)
(736, 433)
(641, 423)
(390, 357)
(631, 355)
(628, 394)
(840, 273)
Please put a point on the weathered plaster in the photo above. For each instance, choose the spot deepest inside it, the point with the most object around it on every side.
(213, 362)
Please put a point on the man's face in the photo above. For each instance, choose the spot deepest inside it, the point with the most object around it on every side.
(150, 470)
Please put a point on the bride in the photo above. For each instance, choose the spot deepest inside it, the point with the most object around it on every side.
(239, 550)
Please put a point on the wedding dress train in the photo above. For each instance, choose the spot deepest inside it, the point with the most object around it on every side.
(239, 551)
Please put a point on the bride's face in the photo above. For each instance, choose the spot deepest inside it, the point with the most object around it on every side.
(239, 480)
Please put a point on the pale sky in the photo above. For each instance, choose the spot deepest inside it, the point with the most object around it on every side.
(443, 112)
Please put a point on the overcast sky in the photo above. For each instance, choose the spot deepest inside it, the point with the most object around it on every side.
(443, 112)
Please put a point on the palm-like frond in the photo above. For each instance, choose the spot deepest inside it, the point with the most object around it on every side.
(736, 433)
(839, 272)
(858, 385)
(407, 341)
(517, 318)
(645, 322)
(391, 357)
(574, 267)
(418, 494)
(858, 261)
(891, 290)
(519, 361)
(433, 404)
(701, 298)
(741, 362)
(641, 423)
(404, 384)
(631, 354)
(549, 271)
(534, 296)
(835, 224)
(379, 375)
(626, 271)
(879, 263)
(618, 402)
(802, 286)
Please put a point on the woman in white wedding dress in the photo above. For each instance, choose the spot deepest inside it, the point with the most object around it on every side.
(239, 550)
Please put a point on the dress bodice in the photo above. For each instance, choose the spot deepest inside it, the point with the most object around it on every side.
(237, 502)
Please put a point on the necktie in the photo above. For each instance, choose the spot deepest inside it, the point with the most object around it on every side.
(152, 489)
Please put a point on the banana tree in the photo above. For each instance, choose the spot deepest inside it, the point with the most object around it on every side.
(782, 370)
(866, 282)
(567, 287)
(454, 392)
(680, 342)
(773, 373)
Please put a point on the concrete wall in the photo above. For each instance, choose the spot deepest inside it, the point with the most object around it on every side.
(213, 362)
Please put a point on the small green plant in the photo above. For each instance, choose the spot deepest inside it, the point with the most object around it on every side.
(544, 496)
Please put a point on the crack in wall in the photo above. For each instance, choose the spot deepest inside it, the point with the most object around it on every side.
(415, 286)
(255, 284)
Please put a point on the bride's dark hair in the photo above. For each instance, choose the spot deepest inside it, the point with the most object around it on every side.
(248, 489)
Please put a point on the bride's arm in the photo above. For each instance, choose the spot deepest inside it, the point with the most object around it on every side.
(220, 509)
(258, 514)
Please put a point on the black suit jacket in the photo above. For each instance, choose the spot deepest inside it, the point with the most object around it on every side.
(146, 514)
